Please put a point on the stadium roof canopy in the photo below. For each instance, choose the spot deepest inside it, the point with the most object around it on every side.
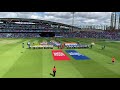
(36, 21)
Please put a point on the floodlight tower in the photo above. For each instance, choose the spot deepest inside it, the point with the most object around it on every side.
(72, 20)
(119, 22)
(113, 20)
(111, 24)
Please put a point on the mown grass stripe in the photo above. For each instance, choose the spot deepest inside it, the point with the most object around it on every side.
(27, 65)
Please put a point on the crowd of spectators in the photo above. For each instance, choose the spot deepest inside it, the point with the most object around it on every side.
(19, 35)
(32, 30)
(114, 35)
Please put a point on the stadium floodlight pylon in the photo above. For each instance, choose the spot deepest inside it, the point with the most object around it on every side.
(113, 20)
(72, 21)
(111, 24)
(119, 22)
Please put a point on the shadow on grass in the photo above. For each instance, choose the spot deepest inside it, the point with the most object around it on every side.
(51, 74)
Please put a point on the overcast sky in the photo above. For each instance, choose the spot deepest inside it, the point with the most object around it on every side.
(81, 18)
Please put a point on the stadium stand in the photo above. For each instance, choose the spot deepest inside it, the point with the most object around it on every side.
(17, 28)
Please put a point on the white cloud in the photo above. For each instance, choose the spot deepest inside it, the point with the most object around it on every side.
(7, 14)
(94, 18)
(65, 15)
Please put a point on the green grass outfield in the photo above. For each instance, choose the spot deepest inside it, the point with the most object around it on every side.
(18, 62)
